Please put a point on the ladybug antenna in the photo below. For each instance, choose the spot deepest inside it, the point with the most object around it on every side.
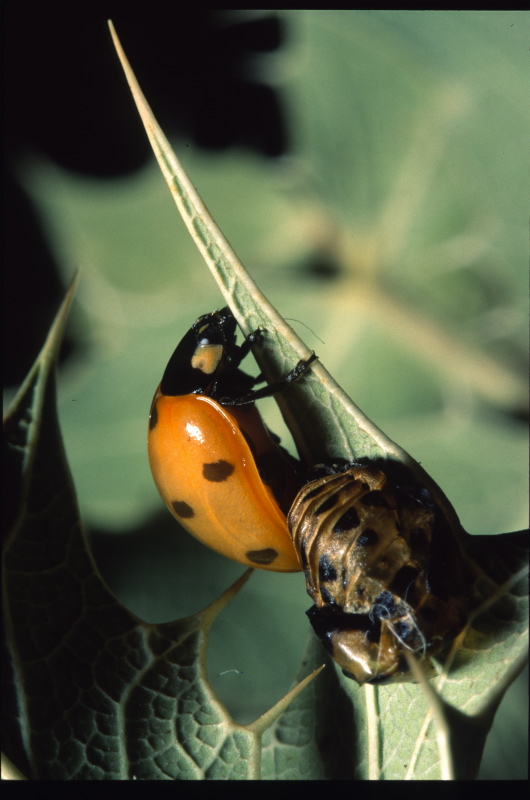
(290, 319)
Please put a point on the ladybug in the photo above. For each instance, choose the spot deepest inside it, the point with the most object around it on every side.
(219, 470)
(382, 568)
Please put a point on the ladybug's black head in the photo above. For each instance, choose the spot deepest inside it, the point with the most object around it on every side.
(208, 348)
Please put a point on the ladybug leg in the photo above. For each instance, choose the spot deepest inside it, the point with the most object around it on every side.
(245, 348)
(273, 388)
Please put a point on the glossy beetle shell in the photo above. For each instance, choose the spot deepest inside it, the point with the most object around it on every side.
(382, 568)
(203, 466)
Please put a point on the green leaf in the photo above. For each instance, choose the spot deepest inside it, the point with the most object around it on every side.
(317, 737)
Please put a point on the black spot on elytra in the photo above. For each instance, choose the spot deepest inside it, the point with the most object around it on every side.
(367, 538)
(266, 556)
(350, 519)
(182, 509)
(153, 417)
(375, 498)
(218, 471)
(327, 504)
(326, 570)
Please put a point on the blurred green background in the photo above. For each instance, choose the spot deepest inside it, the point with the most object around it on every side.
(370, 169)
